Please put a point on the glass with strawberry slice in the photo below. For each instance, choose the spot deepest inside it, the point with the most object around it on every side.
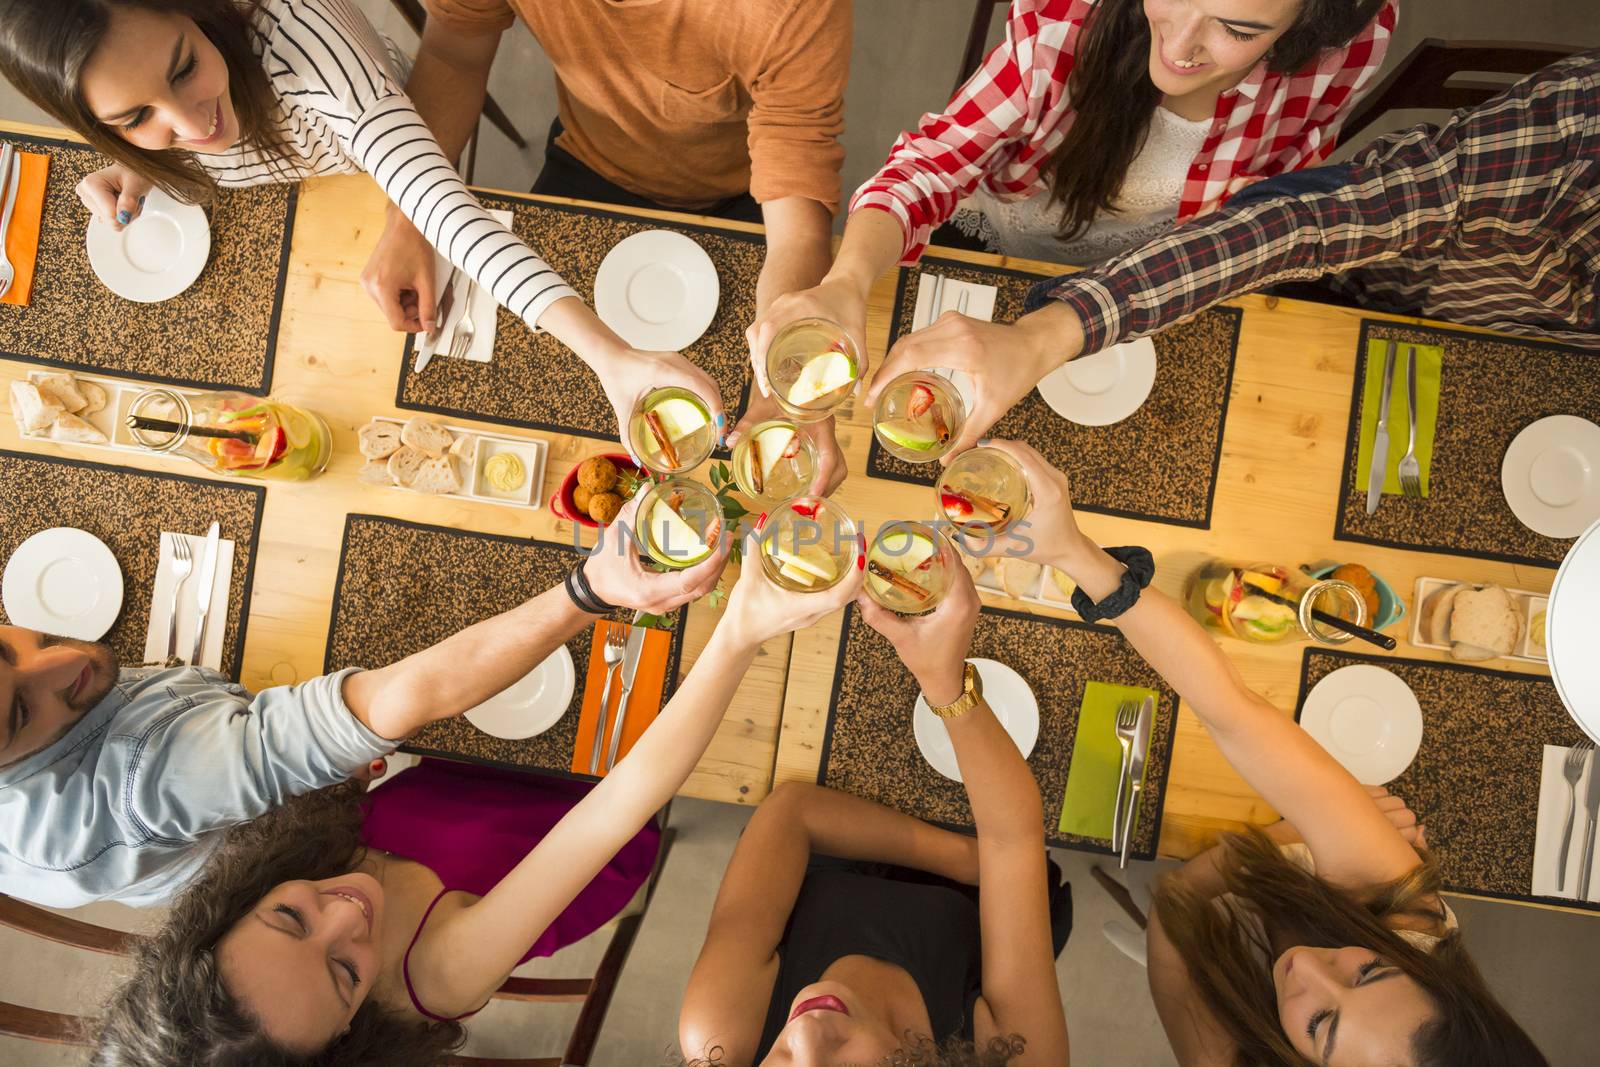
(671, 430)
(908, 567)
(808, 544)
(233, 433)
(1266, 604)
(680, 523)
(812, 368)
(918, 416)
(774, 461)
(983, 492)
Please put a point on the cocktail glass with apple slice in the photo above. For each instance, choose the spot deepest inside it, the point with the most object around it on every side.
(680, 523)
(774, 461)
(812, 368)
(671, 430)
(808, 544)
(908, 567)
(918, 416)
(983, 492)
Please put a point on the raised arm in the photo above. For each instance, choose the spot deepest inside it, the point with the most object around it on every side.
(725, 1003)
(1020, 994)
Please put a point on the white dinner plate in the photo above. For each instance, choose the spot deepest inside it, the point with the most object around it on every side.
(1104, 388)
(1006, 694)
(65, 582)
(1368, 719)
(156, 256)
(1572, 632)
(1551, 475)
(658, 290)
(532, 704)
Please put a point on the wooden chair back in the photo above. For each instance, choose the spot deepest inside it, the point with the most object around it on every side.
(415, 16)
(1439, 74)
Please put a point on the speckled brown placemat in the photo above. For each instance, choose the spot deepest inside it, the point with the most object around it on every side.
(405, 586)
(1490, 388)
(128, 509)
(220, 332)
(535, 381)
(1160, 463)
(1475, 781)
(869, 748)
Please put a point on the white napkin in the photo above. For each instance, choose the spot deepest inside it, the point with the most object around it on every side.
(155, 640)
(1554, 803)
(483, 304)
(980, 299)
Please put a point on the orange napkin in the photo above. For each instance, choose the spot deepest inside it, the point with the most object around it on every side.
(22, 240)
(644, 703)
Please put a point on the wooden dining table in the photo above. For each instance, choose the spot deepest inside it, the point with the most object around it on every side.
(1282, 453)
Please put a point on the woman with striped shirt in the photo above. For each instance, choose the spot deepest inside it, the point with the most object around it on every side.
(192, 95)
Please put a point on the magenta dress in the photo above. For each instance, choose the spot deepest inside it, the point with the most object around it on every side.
(471, 825)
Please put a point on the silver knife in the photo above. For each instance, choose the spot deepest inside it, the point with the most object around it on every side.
(208, 576)
(1380, 442)
(630, 667)
(1141, 748)
(441, 314)
(10, 177)
(1592, 804)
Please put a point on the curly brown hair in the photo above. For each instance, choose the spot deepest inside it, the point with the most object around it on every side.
(175, 1011)
(920, 1051)
(1223, 956)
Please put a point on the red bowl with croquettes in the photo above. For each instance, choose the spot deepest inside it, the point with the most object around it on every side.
(594, 491)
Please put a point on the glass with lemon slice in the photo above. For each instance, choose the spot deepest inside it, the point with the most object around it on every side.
(918, 416)
(671, 430)
(808, 544)
(812, 368)
(774, 461)
(680, 523)
(908, 567)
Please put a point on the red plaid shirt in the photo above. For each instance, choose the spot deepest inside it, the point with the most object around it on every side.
(1002, 126)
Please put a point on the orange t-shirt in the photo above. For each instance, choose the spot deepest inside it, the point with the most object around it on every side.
(688, 102)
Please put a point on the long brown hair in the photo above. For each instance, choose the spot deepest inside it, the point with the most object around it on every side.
(45, 44)
(175, 1011)
(1113, 98)
(1223, 955)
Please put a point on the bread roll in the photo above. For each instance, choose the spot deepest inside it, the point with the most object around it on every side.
(1018, 577)
(426, 436)
(1063, 583)
(33, 410)
(71, 428)
(1435, 612)
(378, 440)
(437, 475)
(976, 565)
(1482, 620)
(375, 472)
(95, 396)
(61, 387)
(403, 465)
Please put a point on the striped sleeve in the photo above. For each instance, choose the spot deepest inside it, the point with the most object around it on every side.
(325, 57)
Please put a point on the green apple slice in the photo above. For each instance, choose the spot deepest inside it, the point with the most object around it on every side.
(808, 558)
(908, 434)
(674, 537)
(903, 551)
(680, 417)
(824, 374)
(796, 575)
(772, 443)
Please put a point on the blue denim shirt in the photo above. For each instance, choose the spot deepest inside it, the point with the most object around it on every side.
(130, 802)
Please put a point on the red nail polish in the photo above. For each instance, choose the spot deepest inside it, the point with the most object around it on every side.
(861, 562)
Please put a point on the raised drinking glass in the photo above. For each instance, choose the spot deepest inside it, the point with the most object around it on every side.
(918, 416)
(680, 523)
(671, 430)
(774, 461)
(808, 544)
(812, 368)
(983, 491)
(908, 567)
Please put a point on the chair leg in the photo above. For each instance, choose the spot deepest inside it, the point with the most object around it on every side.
(492, 112)
(1119, 893)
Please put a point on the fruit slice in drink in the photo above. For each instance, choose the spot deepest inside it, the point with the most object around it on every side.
(671, 430)
(918, 416)
(907, 568)
(812, 366)
(682, 523)
(773, 461)
(808, 544)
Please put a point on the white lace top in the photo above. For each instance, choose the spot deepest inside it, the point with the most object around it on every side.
(1144, 208)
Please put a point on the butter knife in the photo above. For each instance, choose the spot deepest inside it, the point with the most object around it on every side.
(1141, 749)
(1380, 442)
(1591, 804)
(208, 576)
(630, 667)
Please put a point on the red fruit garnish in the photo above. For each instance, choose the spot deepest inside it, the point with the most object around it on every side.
(955, 505)
(792, 449)
(921, 400)
(927, 564)
(808, 510)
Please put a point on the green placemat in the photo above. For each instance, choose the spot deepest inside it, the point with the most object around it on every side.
(1090, 801)
(1429, 359)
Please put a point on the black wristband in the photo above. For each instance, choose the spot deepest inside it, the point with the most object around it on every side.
(1141, 567)
(583, 595)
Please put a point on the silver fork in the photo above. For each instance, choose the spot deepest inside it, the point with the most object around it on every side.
(1571, 770)
(1410, 469)
(10, 170)
(182, 567)
(461, 340)
(616, 641)
(1127, 722)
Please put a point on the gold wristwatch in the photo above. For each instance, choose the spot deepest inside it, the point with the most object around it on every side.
(971, 693)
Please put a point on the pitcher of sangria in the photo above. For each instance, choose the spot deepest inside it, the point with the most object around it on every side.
(1266, 604)
(233, 433)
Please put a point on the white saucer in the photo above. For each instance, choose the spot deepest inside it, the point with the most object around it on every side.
(1104, 388)
(658, 290)
(156, 256)
(1005, 692)
(1368, 719)
(63, 582)
(1551, 475)
(531, 705)
(1572, 632)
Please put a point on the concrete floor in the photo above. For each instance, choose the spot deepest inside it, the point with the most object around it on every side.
(1540, 962)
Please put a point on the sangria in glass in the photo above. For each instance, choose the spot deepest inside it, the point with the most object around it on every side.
(812, 368)
(983, 490)
(774, 461)
(908, 567)
(808, 544)
(918, 416)
(680, 523)
(671, 430)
